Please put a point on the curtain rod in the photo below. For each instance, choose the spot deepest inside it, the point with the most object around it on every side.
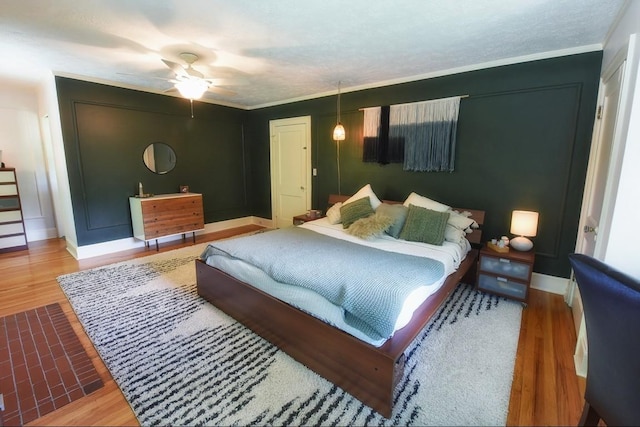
(435, 99)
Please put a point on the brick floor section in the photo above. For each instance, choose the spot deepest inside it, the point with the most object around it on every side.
(43, 366)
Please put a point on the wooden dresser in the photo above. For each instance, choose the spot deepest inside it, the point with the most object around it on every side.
(166, 215)
(12, 232)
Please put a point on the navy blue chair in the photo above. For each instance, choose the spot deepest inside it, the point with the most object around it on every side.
(611, 301)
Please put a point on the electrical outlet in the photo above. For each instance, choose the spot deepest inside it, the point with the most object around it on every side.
(315, 172)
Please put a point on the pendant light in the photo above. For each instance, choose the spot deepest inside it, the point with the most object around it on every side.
(338, 135)
(338, 131)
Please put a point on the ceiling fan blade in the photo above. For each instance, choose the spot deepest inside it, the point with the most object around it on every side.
(175, 67)
(227, 82)
(221, 91)
(194, 73)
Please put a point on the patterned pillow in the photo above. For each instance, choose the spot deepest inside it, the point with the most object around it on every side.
(424, 225)
(351, 212)
(398, 214)
(371, 226)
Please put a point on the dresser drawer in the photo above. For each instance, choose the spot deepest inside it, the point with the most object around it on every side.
(9, 203)
(11, 228)
(505, 267)
(7, 176)
(172, 206)
(13, 242)
(10, 216)
(503, 286)
(8, 189)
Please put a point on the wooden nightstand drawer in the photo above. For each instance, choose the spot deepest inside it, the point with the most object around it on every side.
(505, 267)
(507, 274)
(502, 286)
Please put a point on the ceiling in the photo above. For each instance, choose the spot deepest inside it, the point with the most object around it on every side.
(273, 51)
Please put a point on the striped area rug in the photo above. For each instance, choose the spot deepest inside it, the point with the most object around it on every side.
(180, 361)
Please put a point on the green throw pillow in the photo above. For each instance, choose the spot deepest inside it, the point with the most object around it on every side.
(351, 212)
(424, 225)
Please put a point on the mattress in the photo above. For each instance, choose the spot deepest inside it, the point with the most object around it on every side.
(449, 254)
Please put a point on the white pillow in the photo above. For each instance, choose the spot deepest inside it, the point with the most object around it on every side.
(425, 202)
(453, 234)
(333, 213)
(363, 192)
(462, 221)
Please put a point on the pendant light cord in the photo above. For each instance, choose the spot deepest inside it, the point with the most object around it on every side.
(338, 142)
(338, 163)
(338, 102)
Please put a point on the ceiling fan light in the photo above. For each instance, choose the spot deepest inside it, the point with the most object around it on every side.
(192, 89)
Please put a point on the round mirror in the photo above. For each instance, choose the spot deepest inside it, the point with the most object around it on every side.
(159, 157)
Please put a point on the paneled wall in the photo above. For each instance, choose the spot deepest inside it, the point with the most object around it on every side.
(105, 131)
(524, 135)
(523, 143)
(21, 146)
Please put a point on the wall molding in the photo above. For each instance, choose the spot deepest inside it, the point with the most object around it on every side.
(551, 284)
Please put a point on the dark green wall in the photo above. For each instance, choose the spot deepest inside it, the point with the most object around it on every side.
(523, 143)
(105, 131)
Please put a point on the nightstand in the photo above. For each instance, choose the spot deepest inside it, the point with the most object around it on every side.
(505, 273)
(301, 219)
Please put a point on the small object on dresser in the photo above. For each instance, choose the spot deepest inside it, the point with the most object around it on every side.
(184, 188)
(497, 247)
(314, 213)
(141, 194)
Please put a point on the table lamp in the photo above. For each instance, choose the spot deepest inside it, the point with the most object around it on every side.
(523, 224)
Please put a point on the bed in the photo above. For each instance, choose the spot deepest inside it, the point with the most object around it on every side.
(367, 370)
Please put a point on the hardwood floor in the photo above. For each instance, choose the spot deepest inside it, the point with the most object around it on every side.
(545, 391)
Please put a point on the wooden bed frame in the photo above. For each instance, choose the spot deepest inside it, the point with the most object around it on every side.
(366, 372)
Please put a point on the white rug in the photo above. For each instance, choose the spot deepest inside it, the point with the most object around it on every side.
(181, 361)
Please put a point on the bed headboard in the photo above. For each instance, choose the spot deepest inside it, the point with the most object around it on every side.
(478, 215)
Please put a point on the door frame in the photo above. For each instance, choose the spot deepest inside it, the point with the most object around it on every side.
(572, 295)
(306, 120)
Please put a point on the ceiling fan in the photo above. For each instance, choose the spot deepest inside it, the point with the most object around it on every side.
(190, 82)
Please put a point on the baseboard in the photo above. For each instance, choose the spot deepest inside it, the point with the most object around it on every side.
(105, 248)
(552, 284)
(41, 234)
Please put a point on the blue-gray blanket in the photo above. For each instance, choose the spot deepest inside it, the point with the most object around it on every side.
(368, 283)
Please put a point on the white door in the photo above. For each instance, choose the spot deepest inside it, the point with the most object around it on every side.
(590, 218)
(290, 169)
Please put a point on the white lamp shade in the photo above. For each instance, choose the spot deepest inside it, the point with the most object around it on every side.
(338, 133)
(192, 89)
(524, 223)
